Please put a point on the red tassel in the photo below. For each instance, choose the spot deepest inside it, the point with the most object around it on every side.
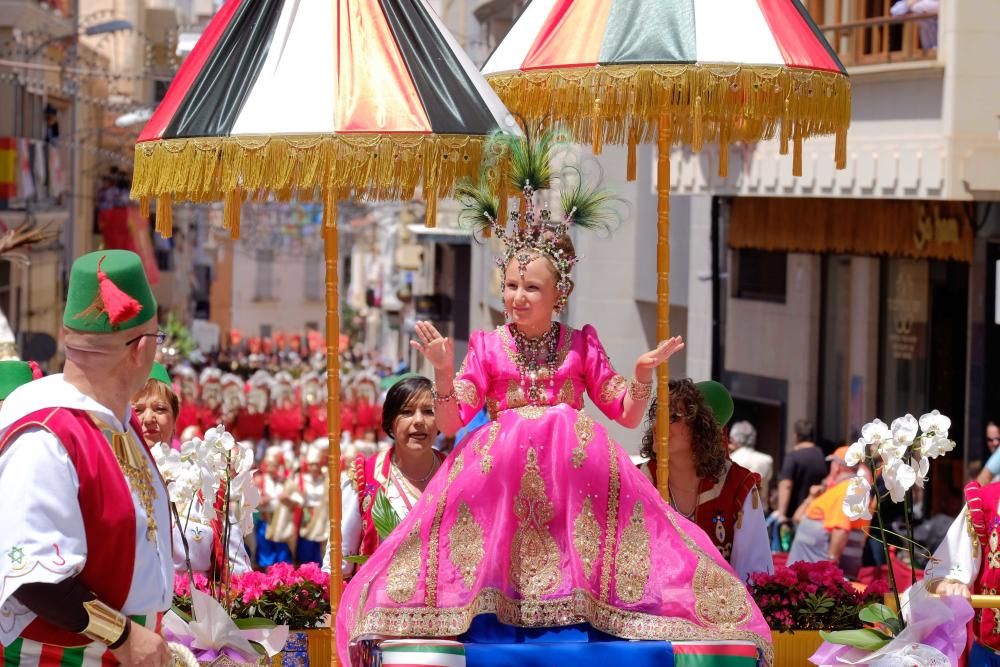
(36, 371)
(119, 306)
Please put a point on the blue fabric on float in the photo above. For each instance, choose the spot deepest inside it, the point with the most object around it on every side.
(489, 643)
(979, 656)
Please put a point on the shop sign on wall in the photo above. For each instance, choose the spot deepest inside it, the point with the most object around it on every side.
(907, 305)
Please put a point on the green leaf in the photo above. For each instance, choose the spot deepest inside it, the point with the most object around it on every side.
(863, 638)
(877, 613)
(253, 623)
(184, 616)
(357, 560)
(894, 625)
(258, 647)
(383, 515)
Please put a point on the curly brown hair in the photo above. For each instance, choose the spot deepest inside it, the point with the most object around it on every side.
(687, 403)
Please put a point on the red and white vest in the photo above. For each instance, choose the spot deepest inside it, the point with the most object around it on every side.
(105, 504)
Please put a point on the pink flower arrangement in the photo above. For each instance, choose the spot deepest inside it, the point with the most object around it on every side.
(811, 596)
(296, 597)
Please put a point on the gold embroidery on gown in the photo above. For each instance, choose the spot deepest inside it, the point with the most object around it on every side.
(467, 393)
(584, 428)
(435, 541)
(483, 448)
(466, 545)
(613, 388)
(534, 554)
(611, 519)
(632, 559)
(567, 393)
(720, 600)
(587, 537)
(401, 580)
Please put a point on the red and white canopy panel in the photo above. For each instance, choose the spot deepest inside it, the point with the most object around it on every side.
(723, 69)
(367, 98)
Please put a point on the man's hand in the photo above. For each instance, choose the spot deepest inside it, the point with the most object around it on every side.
(143, 648)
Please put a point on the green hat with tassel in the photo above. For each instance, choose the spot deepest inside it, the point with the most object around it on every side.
(108, 292)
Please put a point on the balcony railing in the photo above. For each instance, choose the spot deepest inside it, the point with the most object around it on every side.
(880, 40)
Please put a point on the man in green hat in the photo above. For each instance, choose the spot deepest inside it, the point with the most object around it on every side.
(87, 559)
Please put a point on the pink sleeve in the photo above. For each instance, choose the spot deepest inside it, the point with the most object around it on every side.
(472, 381)
(604, 385)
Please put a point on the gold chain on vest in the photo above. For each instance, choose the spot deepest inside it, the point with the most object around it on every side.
(135, 467)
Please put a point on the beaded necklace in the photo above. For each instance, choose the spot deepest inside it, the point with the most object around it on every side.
(537, 359)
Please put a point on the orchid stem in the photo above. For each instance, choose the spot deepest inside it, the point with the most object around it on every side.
(907, 508)
(885, 549)
(187, 552)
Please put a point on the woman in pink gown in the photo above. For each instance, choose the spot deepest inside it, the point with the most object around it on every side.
(539, 517)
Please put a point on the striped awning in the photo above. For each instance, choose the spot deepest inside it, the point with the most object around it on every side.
(365, 98)
(726, 70)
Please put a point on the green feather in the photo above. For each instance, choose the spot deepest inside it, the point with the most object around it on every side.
(479, 203)
(596, 208)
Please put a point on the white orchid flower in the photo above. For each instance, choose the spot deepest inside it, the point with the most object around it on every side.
(857, 500)
(935, 423)
(875, 433)
(898, 478)
(922, 467)
(856, 453)
(243, 458)
(933, 446)
(904, 431)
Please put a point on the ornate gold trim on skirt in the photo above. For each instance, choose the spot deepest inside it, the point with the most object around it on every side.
(578, 607)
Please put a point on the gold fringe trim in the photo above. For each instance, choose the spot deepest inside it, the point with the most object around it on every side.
(165, 216)
(724, 155)
(700, 98)
(596, 134)
(840, 148)
(698, 127)
(231, 209)
(632, 162)
(786, 128)
(366, 166)
(144, 207)
(797, 154)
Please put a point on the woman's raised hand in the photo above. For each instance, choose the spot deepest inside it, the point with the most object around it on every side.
(648, 362)
(437, 349)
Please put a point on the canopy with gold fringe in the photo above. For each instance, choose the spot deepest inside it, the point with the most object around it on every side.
(366, 98)
(677, 71)
(318, 98)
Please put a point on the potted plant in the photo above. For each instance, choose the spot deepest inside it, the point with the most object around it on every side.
(802, 599)
(283, 595)
(210, 481)
(929, 630)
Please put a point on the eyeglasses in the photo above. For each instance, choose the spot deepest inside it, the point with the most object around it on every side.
(160, 338)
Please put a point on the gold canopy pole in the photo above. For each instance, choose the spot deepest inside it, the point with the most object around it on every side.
(331, 248)
(663, 303)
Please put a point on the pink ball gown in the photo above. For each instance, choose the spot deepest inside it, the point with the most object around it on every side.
(541, 519)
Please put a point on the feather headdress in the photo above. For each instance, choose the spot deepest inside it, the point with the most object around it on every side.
(532, 231)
